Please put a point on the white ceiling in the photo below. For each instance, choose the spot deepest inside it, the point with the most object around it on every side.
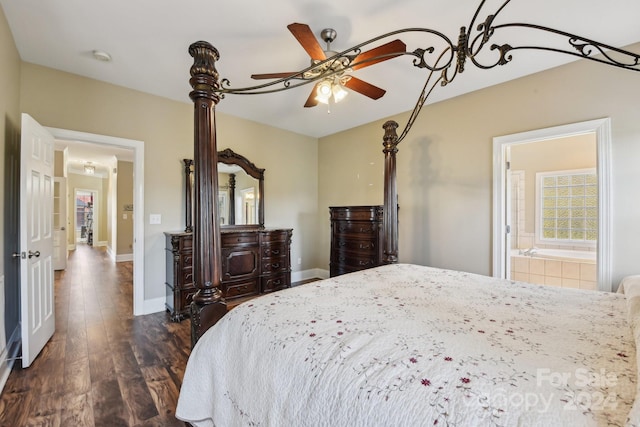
(102, 157)
(148, 41)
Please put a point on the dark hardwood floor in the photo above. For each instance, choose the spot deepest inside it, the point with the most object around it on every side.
(103, 366)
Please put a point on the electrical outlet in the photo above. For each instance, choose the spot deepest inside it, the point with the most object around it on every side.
(299, 261)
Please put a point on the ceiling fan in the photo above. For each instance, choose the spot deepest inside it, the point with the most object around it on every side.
(339, 71)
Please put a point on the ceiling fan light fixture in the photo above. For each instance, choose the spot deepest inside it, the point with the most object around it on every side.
(324, 91)
(339, 93)
(328, 88)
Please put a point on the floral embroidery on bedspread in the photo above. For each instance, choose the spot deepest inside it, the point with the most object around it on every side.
(433, 347)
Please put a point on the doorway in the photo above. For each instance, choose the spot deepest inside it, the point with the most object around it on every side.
(138, 196)
(507, 235)
(85, 215)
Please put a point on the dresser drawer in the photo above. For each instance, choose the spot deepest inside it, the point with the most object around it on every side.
(274, 265)
(238, 238)
(242, 288)
(186, 260)
(186, 297)
(339, 269)
(276, 236)
(355, 228)
(274, 250)
(364, 246)
(276, 282)
(357, 213)
(186, 278)
(186, 244)
(179, 242)
(359, 261)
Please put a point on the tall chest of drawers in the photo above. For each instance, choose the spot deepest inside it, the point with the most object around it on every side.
(356, 238)
(179, 274)
(253, 261)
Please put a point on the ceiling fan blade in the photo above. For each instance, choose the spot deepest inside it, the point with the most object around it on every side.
(367, 89)
(396, 47)
(273, 75)
(311, 101)
(305, 37)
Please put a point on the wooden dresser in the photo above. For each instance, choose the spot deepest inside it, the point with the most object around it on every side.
(254, 262)
(356, 238)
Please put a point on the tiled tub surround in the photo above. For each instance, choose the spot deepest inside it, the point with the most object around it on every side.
(557, 270)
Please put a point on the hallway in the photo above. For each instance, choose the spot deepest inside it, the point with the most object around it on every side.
(103, 367)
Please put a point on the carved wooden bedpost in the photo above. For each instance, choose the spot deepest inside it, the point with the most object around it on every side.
(188, 165)
(232, 198)
(208, 306)
(390, 219)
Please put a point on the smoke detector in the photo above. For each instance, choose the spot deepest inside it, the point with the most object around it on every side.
(101, 55)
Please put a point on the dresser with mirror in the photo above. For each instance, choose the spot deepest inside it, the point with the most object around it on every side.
(255, 259)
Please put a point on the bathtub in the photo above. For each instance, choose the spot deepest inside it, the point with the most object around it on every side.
(556, 267)
(561, 254)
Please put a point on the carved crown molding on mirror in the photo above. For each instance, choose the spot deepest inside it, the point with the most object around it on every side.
(243, 178)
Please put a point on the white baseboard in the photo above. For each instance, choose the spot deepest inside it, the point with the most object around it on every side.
(111, 254)
(8, 356)
(100, 243)
(118, 258)
(313, 273)
(124, 257)
(155, 305)
(5, 368)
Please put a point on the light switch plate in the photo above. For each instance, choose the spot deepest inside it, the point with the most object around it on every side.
(155, 219)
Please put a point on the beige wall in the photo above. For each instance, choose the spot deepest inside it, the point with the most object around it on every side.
(445, 164)
(125, 197)
(9, 162)
(67, 101)
(574, 152)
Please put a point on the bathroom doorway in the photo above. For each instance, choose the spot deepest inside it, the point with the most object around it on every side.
(554, 212)
(524, 241)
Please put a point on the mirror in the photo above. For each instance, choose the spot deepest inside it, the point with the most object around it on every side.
(240, 191)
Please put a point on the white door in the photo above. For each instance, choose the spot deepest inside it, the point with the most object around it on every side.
(36, 238)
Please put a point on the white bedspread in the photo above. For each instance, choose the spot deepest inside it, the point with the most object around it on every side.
(406, 345)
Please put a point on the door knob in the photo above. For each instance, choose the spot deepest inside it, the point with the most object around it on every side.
(34, 254)
(19, 255)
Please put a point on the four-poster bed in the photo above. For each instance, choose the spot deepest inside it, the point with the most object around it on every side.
(402, 344)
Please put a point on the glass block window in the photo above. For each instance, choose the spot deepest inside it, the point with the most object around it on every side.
(567, 207)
